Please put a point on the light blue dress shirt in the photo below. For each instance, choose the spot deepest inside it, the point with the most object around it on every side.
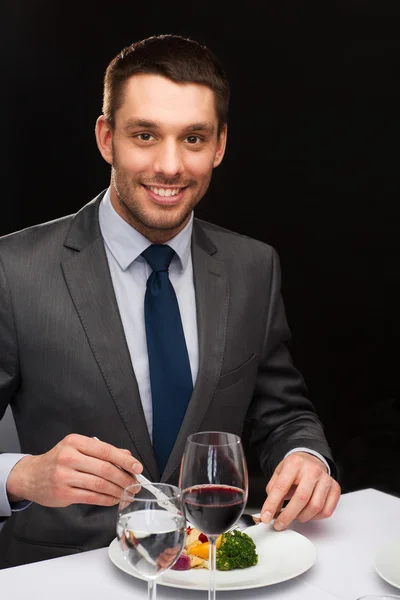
(129, 273)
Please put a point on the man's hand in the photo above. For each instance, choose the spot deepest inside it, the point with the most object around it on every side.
(78, 470)
(303, 479)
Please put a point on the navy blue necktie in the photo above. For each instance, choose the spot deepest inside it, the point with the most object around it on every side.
(170, 375)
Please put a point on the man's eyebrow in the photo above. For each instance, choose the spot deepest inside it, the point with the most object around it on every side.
(204, 126)
(145, 123)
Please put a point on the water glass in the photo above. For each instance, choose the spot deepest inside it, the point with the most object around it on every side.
(151, 529)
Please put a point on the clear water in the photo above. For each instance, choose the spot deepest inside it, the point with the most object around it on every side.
(151, 540)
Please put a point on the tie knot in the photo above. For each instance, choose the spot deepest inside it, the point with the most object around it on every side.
(158, 256)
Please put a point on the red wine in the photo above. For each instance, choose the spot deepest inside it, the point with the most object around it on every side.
(213, 508)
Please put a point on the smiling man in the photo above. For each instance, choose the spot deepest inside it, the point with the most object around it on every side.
(162, 144)
(145, 324)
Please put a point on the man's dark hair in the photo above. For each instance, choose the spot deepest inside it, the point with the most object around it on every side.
(180, 59)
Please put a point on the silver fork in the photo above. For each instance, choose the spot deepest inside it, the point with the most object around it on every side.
(162, 499)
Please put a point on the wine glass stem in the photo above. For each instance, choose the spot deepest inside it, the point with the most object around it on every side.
(212, 565)
(152, 589)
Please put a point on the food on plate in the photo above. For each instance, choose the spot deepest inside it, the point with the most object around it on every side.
(183, 563)
(195, 551)
(235, 550)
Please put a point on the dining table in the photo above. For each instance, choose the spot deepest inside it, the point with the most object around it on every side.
(346, 546)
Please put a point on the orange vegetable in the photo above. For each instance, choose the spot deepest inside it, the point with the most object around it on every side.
(202, 550)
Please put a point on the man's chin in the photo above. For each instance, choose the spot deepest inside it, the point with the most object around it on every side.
(166, 225)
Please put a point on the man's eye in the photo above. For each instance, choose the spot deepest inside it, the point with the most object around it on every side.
(144, 137)
(193, 139)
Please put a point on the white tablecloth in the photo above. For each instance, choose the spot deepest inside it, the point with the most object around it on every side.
(346, 543)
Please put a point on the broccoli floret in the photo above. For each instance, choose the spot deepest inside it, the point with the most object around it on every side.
(237, 551)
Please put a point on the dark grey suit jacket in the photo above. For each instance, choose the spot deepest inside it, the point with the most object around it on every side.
(65, 365)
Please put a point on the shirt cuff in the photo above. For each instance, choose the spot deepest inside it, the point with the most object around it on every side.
(314, 453)
(7, 463)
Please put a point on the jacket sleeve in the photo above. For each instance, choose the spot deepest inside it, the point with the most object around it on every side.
(9, 382)
(281, 416)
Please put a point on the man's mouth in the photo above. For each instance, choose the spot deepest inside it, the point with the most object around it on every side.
(164, 192)
(165, 195)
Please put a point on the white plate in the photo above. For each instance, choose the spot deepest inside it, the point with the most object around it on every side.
(281, 556)
(387, 563)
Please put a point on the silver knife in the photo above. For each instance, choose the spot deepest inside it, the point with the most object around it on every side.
(244, 522)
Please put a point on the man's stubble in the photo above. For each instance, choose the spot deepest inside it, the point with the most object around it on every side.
(131, 209)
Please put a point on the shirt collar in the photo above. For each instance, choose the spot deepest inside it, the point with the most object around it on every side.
(126, 244)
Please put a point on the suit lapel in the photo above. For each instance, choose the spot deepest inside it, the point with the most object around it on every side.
(88, 278)
(212, 299)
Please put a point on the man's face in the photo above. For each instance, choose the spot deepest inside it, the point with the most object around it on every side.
(163, 149)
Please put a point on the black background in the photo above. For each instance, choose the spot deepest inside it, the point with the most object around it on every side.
(311, 168)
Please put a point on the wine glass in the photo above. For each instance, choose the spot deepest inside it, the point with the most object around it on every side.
(151, 529)
(214, 484)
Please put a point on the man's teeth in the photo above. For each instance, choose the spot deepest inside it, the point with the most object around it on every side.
(165, 192)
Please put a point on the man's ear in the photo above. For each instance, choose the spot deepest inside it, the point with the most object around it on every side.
(104, 138)
(220, 151)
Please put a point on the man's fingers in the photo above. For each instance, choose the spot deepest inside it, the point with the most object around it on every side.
(271, 483)
(299, 500)
(276, 515)
(278, 512)
(75, 462)
(93, 483)
(331, 502)
(109, 472)
(317, 501)
(103, 451)
(84, 496)
(277, 493)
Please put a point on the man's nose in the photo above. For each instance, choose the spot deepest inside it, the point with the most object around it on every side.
(168, 159)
